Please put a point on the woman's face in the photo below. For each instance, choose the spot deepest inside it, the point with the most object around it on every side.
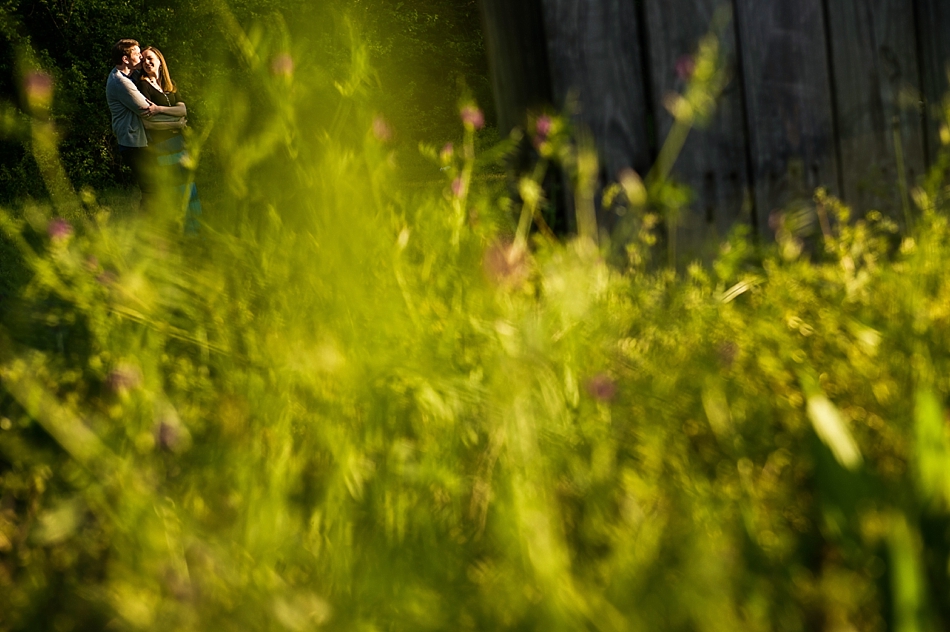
(151, 63)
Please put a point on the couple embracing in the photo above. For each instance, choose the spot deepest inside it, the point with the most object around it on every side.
(147, 119)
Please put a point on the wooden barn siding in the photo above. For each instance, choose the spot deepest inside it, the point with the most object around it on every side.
(788, 97)
(933, 29)
(517, 60)
(821, 91)
(877, 92)
(594, 49)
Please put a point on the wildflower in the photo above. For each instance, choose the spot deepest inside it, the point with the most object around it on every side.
(282, 65)
(685, 66)
(602, 387)
(445, 156)
(457, 187)
(506, 264)
(59, 230)
(542, 127)
(167, 435)
(170, 433)
(776, 220)
(727, 352)
(38, 87)
(106, 278)
(123, 378)
(178, 585)
(381, 130)
(472, 117)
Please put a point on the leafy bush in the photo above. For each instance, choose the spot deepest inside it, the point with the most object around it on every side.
(351, 404)
(73, 41)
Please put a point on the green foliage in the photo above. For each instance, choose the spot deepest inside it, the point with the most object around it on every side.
(72, 42)
(429, 52)
(354, 404)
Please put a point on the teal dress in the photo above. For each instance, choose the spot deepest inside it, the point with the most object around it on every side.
(168, 147)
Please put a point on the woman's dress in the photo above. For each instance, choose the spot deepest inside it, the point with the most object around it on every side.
(168, 146)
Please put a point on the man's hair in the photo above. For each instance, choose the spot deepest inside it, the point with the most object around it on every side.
(122, 48)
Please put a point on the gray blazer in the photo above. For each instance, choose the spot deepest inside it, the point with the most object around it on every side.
(125, 102)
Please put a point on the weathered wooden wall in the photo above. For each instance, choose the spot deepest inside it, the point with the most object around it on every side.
(517, 59)
(933, 44)
(877, 91)
(593, 50)
(833, 93)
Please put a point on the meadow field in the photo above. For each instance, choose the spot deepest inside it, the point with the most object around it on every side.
(378, 392)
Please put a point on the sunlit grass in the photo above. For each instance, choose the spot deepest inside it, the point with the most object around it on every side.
(361, 400)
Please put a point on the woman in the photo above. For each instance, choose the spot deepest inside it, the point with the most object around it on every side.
(155, 83)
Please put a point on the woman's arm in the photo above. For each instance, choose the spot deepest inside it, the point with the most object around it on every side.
(178, 109)
(163, 118)
(160, 125)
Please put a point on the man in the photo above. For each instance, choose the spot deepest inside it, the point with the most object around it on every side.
(129, 111)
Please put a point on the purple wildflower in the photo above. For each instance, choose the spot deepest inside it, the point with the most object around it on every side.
(445, 156)
(472, 117)
(602, 387)
(685, 66)
(167, 435)
(59, 230)
(727, 352)
(543, 127)
(457, 187)
(381, 130)
(38, 87)
(124, 378)
(170, 433)
(107, 277)
(282, 65)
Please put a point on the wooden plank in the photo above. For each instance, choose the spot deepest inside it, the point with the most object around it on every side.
(594, 54)
(788, 99)
(714, 160)
(517, 56)
(933, 34)
(877, 87)
(521, 81)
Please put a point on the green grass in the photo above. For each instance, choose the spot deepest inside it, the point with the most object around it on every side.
(361, 401)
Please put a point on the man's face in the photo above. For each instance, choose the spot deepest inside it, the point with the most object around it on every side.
(134, 57)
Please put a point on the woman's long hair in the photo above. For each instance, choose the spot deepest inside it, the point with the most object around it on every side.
(164, 78)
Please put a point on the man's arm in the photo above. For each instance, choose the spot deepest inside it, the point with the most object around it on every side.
(125, 92)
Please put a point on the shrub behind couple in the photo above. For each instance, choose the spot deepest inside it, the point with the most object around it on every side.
(147, 119)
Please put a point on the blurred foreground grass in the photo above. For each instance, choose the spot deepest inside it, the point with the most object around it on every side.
(356, 405)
